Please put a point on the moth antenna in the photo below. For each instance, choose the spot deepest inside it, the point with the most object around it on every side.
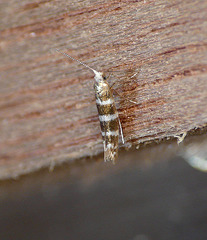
(65, 54)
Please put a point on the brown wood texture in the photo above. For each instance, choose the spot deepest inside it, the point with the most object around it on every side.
(47, 106)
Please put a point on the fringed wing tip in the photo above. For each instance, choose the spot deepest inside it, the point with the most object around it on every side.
(110, 155)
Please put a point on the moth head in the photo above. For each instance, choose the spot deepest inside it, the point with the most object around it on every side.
(99, 76)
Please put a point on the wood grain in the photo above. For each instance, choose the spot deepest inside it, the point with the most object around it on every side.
(47, 107)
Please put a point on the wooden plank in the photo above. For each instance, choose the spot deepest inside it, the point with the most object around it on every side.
(47, 107)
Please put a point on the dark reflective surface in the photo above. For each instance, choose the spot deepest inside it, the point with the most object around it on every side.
(133, 201)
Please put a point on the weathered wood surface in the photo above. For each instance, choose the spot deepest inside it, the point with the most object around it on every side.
(47, 107)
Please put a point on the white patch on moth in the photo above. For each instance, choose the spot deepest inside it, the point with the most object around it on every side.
(107, 118)
(99, 88)
(98, 76)
(110, 133)
(106, 102)
(110, 146)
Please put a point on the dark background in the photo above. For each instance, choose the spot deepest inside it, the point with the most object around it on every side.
(139, 198)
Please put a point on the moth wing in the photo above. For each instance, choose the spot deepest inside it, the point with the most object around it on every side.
(110, 150)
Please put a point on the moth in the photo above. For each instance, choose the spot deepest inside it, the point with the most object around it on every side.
(108, 114)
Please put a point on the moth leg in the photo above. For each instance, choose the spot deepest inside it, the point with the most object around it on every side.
(124, 97)
(132, 77)
(121, 131)
(104, 143)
